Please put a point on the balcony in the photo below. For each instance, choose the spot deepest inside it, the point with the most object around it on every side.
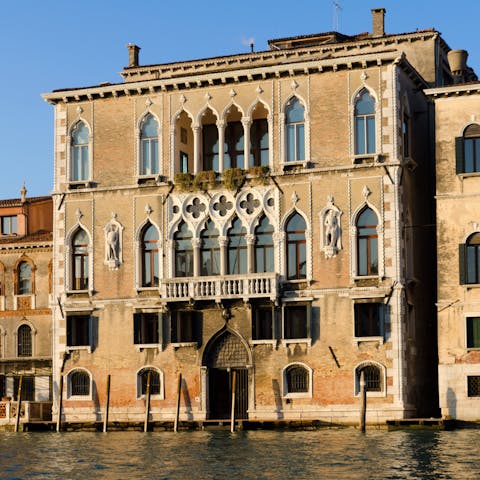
(218, 288)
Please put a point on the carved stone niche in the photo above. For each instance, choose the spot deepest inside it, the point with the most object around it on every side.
(113, 243)
(330, 229)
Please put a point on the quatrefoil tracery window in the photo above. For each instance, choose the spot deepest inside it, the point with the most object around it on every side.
(250, 204)
(196, 208)
(222, 206)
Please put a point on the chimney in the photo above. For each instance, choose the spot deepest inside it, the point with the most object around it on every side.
(457, 60)
(133, 54)
(378, 20)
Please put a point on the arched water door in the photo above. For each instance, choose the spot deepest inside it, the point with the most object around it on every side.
(225, 355)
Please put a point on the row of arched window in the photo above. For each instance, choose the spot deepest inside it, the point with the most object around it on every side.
(23, 341)
(242, 254)
(221, 147)
(296, 377)
(23, 277)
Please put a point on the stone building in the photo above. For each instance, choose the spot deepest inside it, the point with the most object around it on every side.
(25, 284)
(457, 116)
(265, 216)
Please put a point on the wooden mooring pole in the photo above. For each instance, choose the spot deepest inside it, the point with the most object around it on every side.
(19, 403)
(107, 406)
(60, 402)
(147, 403)
(363, 396)
(232, 415)
(177, 411)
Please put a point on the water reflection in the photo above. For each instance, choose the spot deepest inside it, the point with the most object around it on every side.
(323, 454)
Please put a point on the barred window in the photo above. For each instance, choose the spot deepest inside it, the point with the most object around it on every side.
(24, 338)
(473, 384)
(80, 383)
(154, 381)
(373, 378)
(296, 377)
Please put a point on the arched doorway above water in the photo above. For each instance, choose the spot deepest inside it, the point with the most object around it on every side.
(227, 358)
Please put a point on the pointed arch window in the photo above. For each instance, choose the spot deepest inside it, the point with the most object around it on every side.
(80, 245)
(233, 146)
(295, 131)
(150, 273)
(364, 114)
(237, 248)
(264, 258)
(259, 143)
(80, 152)
(149, 146)
(25, 280)
(24, 341)
(296, 248)
(209, 250)
(183, 251)
(367, 243)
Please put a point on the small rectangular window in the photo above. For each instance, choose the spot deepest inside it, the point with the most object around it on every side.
(262, 322)
(296, 321)
(145, 328)
(8, 225)
(183, 162)
(473, 386)
(473, 332)
(78, 330)
(368, 319)
(185, 326)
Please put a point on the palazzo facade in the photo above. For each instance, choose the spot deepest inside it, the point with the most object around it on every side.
(265, 215)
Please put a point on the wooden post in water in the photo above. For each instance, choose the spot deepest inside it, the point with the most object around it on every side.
(147, 403)
(60, 401)
(19, 403)
(177, 411)
(232, 416)
(107, 406)
(363, 396)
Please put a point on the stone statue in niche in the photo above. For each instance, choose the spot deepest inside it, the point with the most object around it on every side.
(331, 232)
(113, 243)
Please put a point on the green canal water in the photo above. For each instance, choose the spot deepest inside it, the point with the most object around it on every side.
(345, 454)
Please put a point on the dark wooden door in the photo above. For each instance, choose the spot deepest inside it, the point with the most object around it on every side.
(220, 393)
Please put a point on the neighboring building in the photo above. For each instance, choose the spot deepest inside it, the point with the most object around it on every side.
(269, 214)
(25, 317)
(457, 116)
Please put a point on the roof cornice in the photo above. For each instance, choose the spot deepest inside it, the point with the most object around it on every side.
(455, 89)
(292, 67)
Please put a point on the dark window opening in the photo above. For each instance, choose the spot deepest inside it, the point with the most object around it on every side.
(80, 383)
(297, 379)
(154, 381)
(28, 388)
(262, 322)
(296, 319)
(24, 338)
(372, 378)
(368, 319)
(185, 326)
(78, 330)
(145, 328)
(473, 386)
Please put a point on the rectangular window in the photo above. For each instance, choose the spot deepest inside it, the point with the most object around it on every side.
(262, 322)
(210, 147)
(183, 162)
(473, 386)
(296, 321)
(8, 225)
(185, 326)
(473, 332)
(28, 388)
(145, 328)
(368, 319)
(78, 330)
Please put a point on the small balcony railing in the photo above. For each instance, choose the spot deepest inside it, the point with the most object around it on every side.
(243, 287)
(29, 411)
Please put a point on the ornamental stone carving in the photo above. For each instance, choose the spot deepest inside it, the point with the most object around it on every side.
(330, 229)
(113, 243)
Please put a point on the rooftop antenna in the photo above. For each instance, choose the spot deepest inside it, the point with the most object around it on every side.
(336, 9)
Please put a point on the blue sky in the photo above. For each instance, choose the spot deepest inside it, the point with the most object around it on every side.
(54, 44)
